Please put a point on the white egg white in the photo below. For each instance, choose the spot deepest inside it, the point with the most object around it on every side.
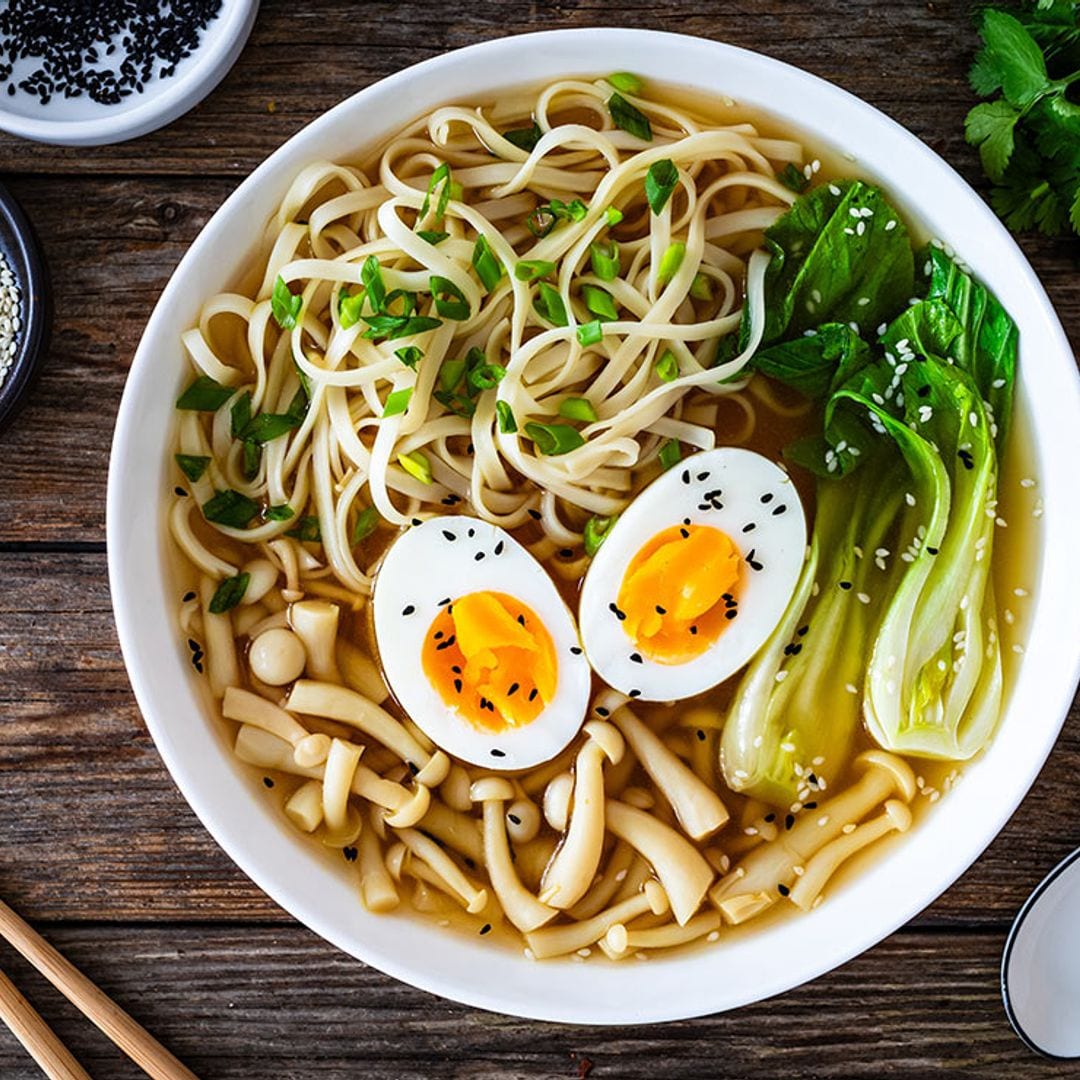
(435, 563)
(754, 502)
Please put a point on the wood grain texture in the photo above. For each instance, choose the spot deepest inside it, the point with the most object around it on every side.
(99, 848)
(254, 1003)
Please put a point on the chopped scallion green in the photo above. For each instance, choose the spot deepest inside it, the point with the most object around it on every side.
(229, 593)
(349, 308)
(701, 287)
(596, 532)
(590, 333)
(280, 512)
(409, 355)
(604, 256)
(549, 305)
(397, 402)
(441, 176)
(532, 269)
(625, 83)
(577, 408)
(240, 413)
(307, 530)
(371, 276)
(416, 465)
(660, 182)
(599, 302)
(485, 376)
(451, 373)
(670, 262)
(613, 215)
(230, 508)
(554, 439)
(367, 521)
(524, 138)
(629, 118)
(450, 301)
(204, 395)
(667, 367)
(433, 236)
(252, 456)
(392, 327)
(192, 466)
(670, 454)
(507, 423)
(487, 266)
(283, 305)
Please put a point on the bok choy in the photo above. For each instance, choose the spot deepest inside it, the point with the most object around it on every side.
(893, 617)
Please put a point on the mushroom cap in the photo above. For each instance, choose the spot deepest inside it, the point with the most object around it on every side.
(496, 788)
(898, 768)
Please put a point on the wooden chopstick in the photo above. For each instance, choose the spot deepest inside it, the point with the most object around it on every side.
(94, 1004)
(37, 1037)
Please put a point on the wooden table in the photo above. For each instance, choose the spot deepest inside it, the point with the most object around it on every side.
(100, 850)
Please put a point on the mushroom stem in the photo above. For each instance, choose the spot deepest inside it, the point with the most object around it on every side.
(558, 940)
(360, 672)
(523, 909)
(897, 817)
(571, 872)
(681, 868)
(602, 890)
(315, 622)
(305, 807)
(621, 939)
(377, 888)
(472, 896)
(456, 830)
(222, 667)
(341, 827)
(698, 808)
(247, 708)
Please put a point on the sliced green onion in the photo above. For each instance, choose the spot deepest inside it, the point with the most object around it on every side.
(524, 138)
(604, 256)
(283, 305)
(596, 532)
(450, 301)
(577, 408)
(667, 367)
(456, 190)
(544, 218)
(459, 404)
(349, 308)
(670, 454)
(252, 457)
(230, 508)
(599, 302)
(554, 439)
(625, 83)
(701, 287)
(670, 262)
(409, 355)
(575, 209)
(240, 413)
(408, 302)
(485, 376)
(488, 268)
(281, 512)
(367, 521)
(307, 530)
(433, 236)
(204, 395)
(371, 276)
(416, 465)
(532, 269)
(793, 178)
(660, 182)
(507, 423)
(229, 593)
(397, 402)
(613, 215)
(192, 466)
(392, 327)
(451, 373)
(549, 305)
(440, 176)
(590, 333)
(631, 119)
(266, 427)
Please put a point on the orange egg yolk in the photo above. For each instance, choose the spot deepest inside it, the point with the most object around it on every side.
(492, 660)
(679, 592)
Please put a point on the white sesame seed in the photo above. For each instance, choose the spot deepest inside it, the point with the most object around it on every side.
(816, 294)
(750, 830)
(1018, 649)
(807, 171)
(798, 871)
(823, 820)
(1020, 592)
(818, 761)
(1027, 482)
(781, 676)
(849, 231)
(854, 211)
(833, 189)
(890, 687)
(1001, 523)
(787, 747)
(713, 935)
(1008, 616)
(890, 225)
(741, 774)
(529, 954)
(758, 740)
(863, 301)
(584, 952)
(909, 498)
(851, 688)
(815, 165)
(860, 228)
(862, 597)
(621, 875)
(848, 829)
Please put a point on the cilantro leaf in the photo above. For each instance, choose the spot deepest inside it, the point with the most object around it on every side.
(989, 126)
(1014, 56)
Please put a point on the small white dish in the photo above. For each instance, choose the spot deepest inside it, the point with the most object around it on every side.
(80, 121)
(741, 967)
(1040, 969)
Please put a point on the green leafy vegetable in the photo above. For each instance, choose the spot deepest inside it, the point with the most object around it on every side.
(204, 395)
(488, 267)
(442, 180)
(230, 508)
(229, 593)
(660, 182)
(629, 118)
(367, 521)
(524, 138)
(507, 423)
(546, 216)
(284, 306)
(577, 408)
(240, 414)
(1028, 135)
(554, 439)
(596, 531)
(192, 465)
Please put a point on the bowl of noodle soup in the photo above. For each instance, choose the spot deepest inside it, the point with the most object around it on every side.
(339, 467)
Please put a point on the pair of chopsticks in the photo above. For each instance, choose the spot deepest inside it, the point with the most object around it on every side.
(40, 1040)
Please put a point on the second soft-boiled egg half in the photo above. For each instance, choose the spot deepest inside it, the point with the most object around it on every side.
(694, 576)
(477, 644)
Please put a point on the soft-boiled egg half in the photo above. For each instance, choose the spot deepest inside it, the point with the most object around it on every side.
(694, 576)
(477, 644)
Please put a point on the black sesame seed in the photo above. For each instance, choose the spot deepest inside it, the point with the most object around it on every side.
(703, 476)
(704, 506)
(636, 658)
(923, 391)
(188, 596)
(686, 521)
(438, 634)
(845, 585)
(514, 818)
(535, 514)
(444, 602)
(931, 551)
(514, 688)
(193, 645)
(350, 854)
(811, 779)
(532, 694)
(789, 821)
(457, 685)
(449, 500)
(566, 553)
(767, 497)
(521, 620)
(478, 556)
(802, 631)
(449, 535)
(783, 890)
(485, 929)
(778, 510)
(633, 693)
(601, 711)
(770, 818)
(499, 548)
(471, 533)
(575, 650)
(810, 805)
(661, 610)
(417, 521)
(456, 669)
(685, 533)
(731, 613)
(470, 863)
(267, 781)
(693, 629)
(750, 527)
(197, 665)
(701, 735)
(180, 491)
(685, 476)
(413, 768)
(614, 609)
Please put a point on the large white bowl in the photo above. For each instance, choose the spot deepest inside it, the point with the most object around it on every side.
(318, 890)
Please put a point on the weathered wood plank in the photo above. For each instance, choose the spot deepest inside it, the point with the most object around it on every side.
(262, 1002)
(74, 748)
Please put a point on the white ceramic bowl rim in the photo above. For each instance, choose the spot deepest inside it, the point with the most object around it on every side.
(747, 967)
(163, 101)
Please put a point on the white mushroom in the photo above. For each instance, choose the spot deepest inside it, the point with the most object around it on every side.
(360, 672)
(557, 800)
(523, 909)
(681, 868)
(522, 820)
(455, 789)
(309, 749)
(571, 872)
(222, 666)
(305, 806)
(343, 823)
(316, 624)
(620, 939)
(697, 806)
(277, 657)
(262, 577)
(377, 888)
(604, 888)
(462, 832)
(472, 897)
